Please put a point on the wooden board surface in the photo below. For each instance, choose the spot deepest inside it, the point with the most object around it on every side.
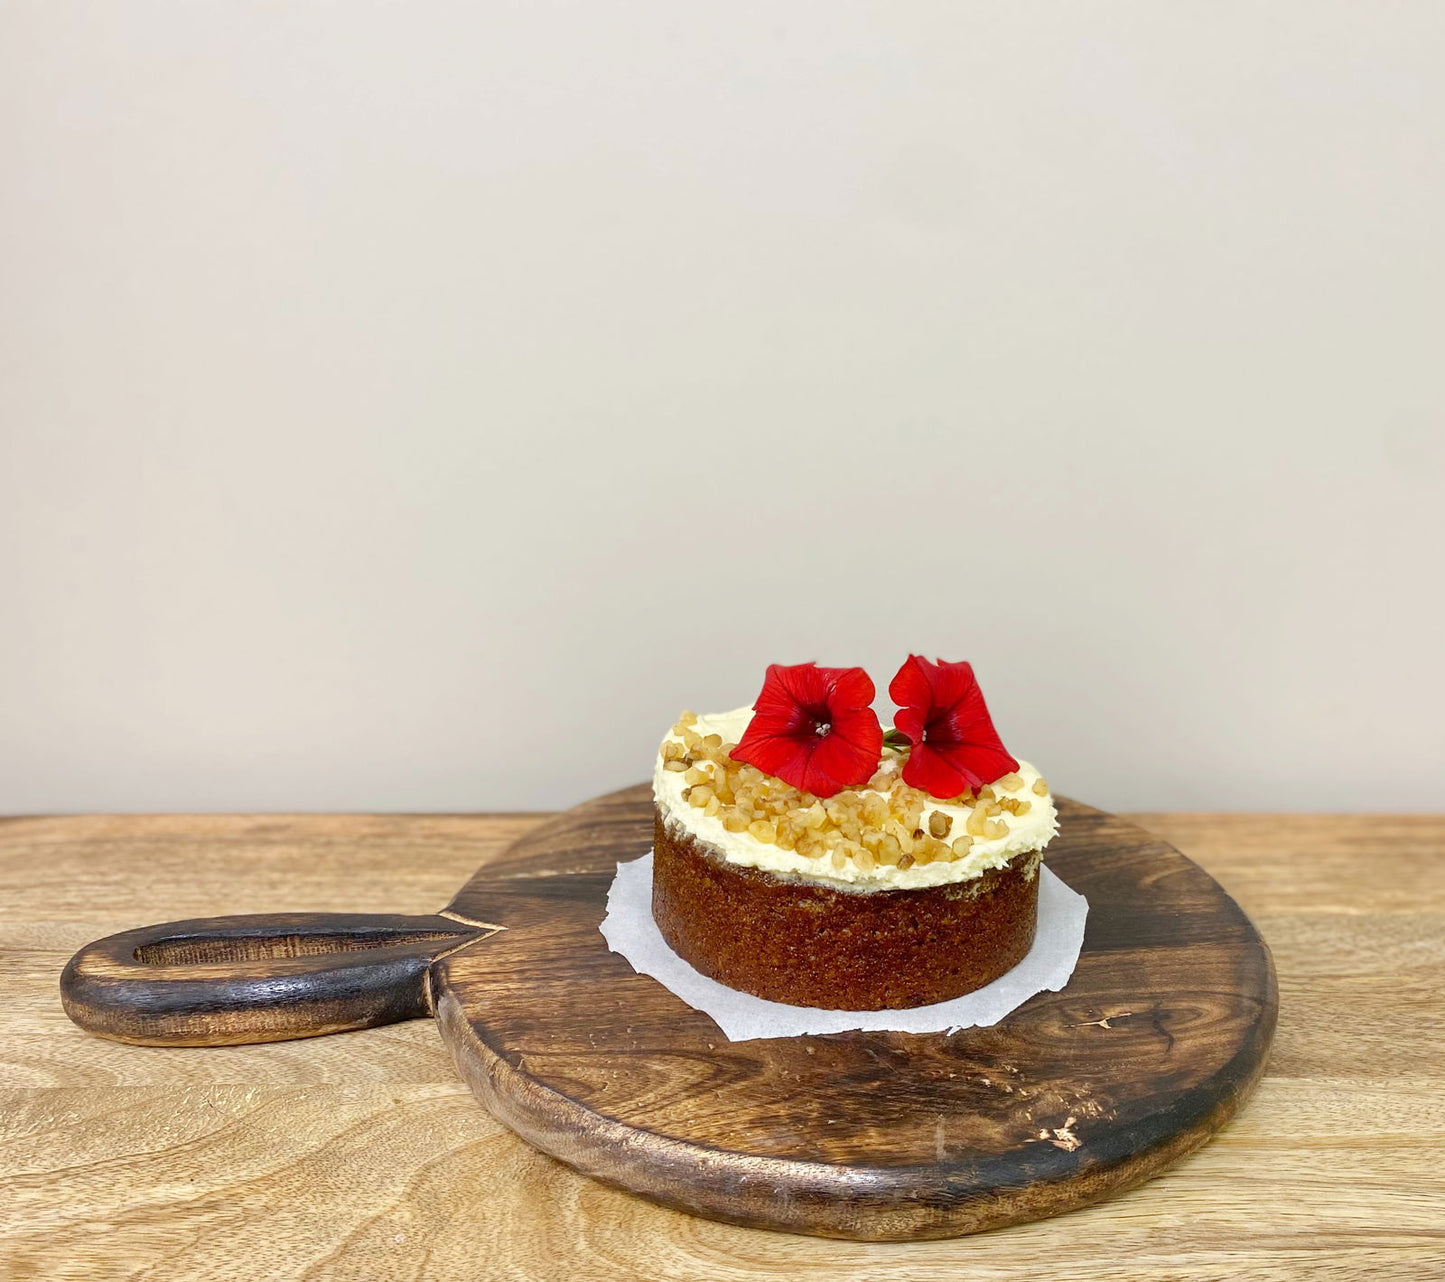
(348, 1156)
(1151, 1048)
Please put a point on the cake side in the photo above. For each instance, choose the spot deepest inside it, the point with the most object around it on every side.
(793, 939)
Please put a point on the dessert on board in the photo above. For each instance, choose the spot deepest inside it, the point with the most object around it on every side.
(805, 855)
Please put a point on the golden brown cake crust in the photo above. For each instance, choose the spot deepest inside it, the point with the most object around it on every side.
(797, 941)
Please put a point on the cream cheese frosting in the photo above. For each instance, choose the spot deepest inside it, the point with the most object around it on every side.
(1030, 831)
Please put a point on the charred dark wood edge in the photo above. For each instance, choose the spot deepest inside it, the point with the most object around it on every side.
(222, 981)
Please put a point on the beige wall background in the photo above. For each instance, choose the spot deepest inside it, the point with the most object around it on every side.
(416, 406)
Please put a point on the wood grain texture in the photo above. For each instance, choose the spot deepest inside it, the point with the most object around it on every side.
(362, 1156)
(1154, 1044)
(258, 977)
(878, 1137)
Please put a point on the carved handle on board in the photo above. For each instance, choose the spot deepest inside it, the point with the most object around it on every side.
(223, 981)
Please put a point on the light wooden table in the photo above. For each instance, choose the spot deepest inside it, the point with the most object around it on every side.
(363, 1156)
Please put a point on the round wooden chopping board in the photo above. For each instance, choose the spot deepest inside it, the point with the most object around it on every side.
(1154, 1044)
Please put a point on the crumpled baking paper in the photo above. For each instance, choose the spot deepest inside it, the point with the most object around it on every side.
(630, 930)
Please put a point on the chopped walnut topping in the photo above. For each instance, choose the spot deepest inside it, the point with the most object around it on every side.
(879, 824)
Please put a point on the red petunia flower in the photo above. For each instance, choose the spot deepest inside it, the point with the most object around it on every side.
(941, 709)
(812, 727)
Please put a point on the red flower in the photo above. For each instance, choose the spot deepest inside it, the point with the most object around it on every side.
(812, 727)
(941, 709)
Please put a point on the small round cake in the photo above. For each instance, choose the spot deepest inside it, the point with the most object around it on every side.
(879, 896)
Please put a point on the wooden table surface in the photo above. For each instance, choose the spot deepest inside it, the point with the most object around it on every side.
(363, 1156)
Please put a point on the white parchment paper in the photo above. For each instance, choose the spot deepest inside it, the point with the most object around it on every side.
(630, 930)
